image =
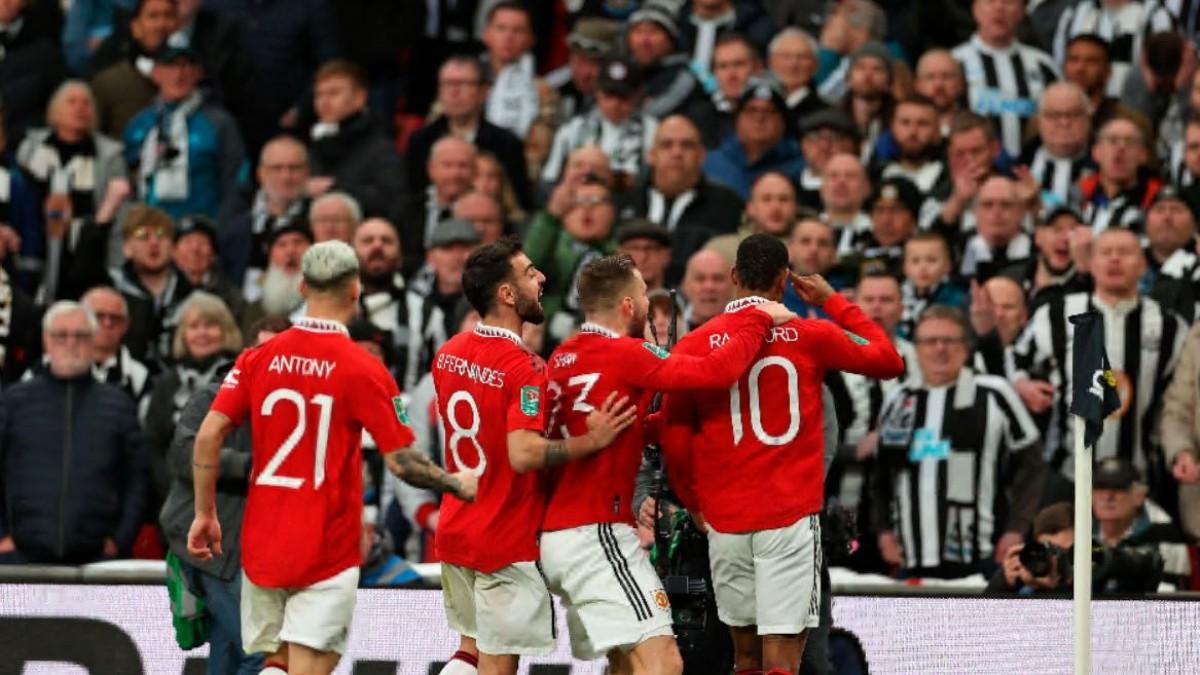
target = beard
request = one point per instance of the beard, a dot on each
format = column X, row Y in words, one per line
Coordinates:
column 529, row 309
column 280, row 292
column 637, row 326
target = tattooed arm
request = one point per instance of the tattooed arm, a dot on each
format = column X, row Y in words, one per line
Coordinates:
column 528, row 450
column 416, row 469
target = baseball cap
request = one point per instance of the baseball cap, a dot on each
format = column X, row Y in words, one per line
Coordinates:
column 657, row 14
column 171, row 54
column 1060, row 209
column 640, row 228
column 594, row 36
column 899, row 190
column 829, row 118
column 620, row 77
column 199, row 224
column 454, row 231
column 1115, row 473
column 327, row 262
column 296, row 225
column 873, row 50
column 764, row 87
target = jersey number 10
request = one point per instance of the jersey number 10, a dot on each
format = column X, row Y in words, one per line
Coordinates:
column 756, row 423
column 269, row 475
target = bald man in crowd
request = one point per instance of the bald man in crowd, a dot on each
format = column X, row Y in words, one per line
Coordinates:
column 451, row 170
column 707, row 287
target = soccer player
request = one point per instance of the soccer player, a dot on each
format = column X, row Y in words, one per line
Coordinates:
column 590, row 550
column 309, row 392
column 749, row 459
column 491, row 397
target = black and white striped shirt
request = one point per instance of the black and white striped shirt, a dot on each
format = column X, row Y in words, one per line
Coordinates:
column 951, row 460
column 1125, row 28
column 1181, row 176
column 1005, row 84
column 1124, row 210
column 979, row 258
column 1058, row 175
column 1142, row 341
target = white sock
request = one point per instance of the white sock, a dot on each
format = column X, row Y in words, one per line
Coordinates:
column 458, row 667
column 272, row 670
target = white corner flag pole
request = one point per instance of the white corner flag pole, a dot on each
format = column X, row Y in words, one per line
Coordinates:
column 1082, row 603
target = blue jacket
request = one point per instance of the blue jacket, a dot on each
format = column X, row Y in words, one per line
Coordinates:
column 216, row 160
column 72, row 468
column 728, row 164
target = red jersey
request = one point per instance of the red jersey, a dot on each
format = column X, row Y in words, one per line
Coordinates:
column 585, row 369
column 309, row 391
column 488, row 384
column 750, row 457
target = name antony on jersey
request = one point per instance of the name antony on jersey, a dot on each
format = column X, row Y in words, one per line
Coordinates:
column 470, row 370
column 301, row 365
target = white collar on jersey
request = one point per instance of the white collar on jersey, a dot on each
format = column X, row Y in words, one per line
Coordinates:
column 484, row 330
column 742, row 303
column 319, row 325
column 597, row 329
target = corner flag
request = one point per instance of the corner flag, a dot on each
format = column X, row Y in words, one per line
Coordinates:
column 1095, row 394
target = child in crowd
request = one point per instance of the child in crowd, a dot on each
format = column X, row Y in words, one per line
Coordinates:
column 927, row 279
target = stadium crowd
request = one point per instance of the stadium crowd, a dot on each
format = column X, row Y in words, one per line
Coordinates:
column 972, row 173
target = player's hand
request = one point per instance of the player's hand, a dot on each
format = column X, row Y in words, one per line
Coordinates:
column 1037, row 394
column 778, row 313
column 1009, row 541
column 610, row 419
column 890, row 549
column 645, row 516
column 812, row 288
column 204, row 537
column 468, row 485
column 1185, row 468
column 700, row 523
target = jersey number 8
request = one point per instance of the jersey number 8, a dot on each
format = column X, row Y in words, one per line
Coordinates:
column 756, row 423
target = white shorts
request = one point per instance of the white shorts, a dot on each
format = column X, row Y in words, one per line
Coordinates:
column 506, row 612
column 316, row 616
column 614, row 599
column 770, row 578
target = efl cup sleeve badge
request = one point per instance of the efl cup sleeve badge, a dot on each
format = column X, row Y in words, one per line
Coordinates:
column 531, row 399
column 401, row 410
column 856, row 338
column 656, row 350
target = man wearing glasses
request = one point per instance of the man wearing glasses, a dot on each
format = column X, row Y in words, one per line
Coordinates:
column 74, row 482
column 956, row 451
column 1064, row 123
column 1119, row 192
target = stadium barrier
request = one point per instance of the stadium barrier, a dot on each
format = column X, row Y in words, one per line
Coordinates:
column 117, row 621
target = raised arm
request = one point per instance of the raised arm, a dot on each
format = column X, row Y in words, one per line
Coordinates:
column 856, row 344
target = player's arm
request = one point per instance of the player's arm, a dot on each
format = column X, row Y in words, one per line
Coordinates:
column 871, row 354
column 716, row 369
column 529, row 450
column 415, row 468
column 204, row 537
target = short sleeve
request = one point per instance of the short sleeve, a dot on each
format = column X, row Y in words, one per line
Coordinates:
column 233, row 397
column 526, row 392
column 378, row 406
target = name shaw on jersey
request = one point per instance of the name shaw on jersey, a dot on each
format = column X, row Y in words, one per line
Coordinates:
column 301, row 365
column 470, row 370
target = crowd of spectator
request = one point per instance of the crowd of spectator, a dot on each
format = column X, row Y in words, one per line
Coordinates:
column 972, row 172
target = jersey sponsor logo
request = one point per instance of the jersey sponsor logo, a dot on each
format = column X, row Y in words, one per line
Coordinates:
column 856, row 338
column 231, row 380
column 401, row 411
column 656, row 350
column 472, row 371
column 927, row 445
column 660, row 599
column 531, row 399
column 989, row 101
column 301, row 365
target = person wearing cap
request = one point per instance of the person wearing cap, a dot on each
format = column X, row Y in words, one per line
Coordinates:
column 1172, row 265
column 771, row 209
column 430, row 305
column 1004, row 76
column 849, row 26
column 760, row 141
column 918, row 153
column 1122, row 22
column 349, row 152
column 1058, row 155
column 185, row 151
column 735, row 60
column 792, row 57
column 649, row 245
column 518, row 100
column 1143, row 340
column 151, row 283
column 868, row 96
column 1089, row 65
column 1126, row 515
column 999, row 240
column 195, row 255
column 123, row 64
column 462, row 94
column 705, row 20
column 893, row 209
column 678, row 196
column 652, row 40
column 276, row 291
column 617, row 124
column 591, row 41
column 1058, row 267
column 823, row 134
